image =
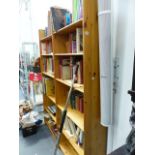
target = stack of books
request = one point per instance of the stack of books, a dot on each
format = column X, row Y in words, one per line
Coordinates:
column 74, row 131
column 75, row 42
column 67, row 69
column 76, row 101
column 48, row 65
column 52, row 109
column 49, row 87
column 46, row 48
column 77, row 10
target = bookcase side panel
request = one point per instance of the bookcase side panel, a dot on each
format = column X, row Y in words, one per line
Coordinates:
column 95, row 134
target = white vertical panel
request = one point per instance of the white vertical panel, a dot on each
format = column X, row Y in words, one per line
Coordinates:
column 104, row 16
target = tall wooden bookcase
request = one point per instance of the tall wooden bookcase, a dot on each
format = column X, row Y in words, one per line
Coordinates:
column 95, row 135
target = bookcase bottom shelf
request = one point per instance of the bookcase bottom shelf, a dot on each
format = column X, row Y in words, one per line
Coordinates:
column 66, row 148
column 72, row 141
column 52, row 133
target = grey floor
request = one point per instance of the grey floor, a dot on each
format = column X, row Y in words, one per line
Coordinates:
column 40, row 143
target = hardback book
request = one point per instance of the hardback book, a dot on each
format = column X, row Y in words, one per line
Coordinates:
column 65, row 72
column 49, row 47
column 80, row 72
column 64, row 68
column 49, row 31
column 73, row 42
column 49, row 86
column 52, row 108
column 58, row 17
column 43, row 48
column 44, row 64
column 49, row 66
column 77, row 10
column 79, row 40
column 72, row 126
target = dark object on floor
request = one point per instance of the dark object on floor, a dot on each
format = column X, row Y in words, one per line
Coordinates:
column 120, row 151
column 29, row 130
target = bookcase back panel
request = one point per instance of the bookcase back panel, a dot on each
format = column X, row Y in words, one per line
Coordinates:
column 59, row 43
column 61, row 92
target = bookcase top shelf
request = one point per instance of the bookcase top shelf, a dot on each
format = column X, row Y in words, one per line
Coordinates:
column 46, row 38
column 79, row 87
column 69, row 28
column 69, row 54
column 48, row 74
column 76, row 116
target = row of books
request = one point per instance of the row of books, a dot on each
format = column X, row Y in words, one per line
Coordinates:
column 77, row 10
column 73, row 130
column 57, row 19
column 76, row 101
column 48, row 65
column 46, row 47
column 67, row 69
column 48, row 86
column 52, row 109
column 75, row 42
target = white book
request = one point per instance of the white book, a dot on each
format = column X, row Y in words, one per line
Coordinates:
column 79, row 40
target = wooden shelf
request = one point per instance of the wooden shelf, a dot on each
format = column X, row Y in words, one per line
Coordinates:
column 76, row 116
column 48, row 74
column 51, row 115
column 66, row 148
column 69, row 28
column 47, row 55
column 46, row 38
column 52, row 98
column 68, row 54
column 72, row 141
column 51, row 131
column 79, row 87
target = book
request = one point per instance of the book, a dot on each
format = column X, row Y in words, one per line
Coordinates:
column 73, row 42
column 49, row 87
column 52, row 109
column 64, row 68
column 59, row 17
column 79, row 40
column 49, row 28
column 43, row 48
column 48, row 65
column 77, row 10
column 76, row 101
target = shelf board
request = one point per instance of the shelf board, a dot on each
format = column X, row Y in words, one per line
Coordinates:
column 51, row 115
column 70, row 28
column 48, row 74
column 47, row 55
column 52, row 98
column 69, row 54
column 52, row 133
column 66, row 148
column 46, row 38
column 79, row 87
column 76, row 116
column 72, row 141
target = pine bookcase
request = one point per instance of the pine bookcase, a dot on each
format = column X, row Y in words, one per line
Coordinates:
column 95, row 135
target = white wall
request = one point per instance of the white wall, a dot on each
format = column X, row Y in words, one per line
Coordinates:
column 35, row 18
column 123, row 44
